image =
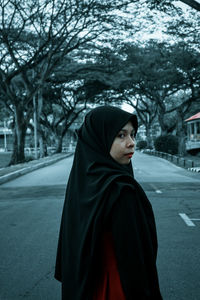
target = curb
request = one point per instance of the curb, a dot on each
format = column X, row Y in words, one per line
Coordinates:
column 197, row 169
column 176, row 160
column 23, row 171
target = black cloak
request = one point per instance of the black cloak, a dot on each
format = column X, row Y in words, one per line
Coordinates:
column 100, row 193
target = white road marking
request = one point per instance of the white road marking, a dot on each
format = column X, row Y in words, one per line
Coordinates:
column 155, row 189
column 158, row 192
column 186, row 219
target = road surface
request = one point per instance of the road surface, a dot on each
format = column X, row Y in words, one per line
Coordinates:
column 30, row 211
column 174, row 191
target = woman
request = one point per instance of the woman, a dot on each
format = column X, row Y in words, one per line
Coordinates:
column 107, row 244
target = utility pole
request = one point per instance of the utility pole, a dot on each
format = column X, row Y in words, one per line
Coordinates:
column 35, row 123
column 5, row 138
column 35, row 126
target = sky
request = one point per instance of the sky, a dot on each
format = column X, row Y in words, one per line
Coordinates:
column 127, row 108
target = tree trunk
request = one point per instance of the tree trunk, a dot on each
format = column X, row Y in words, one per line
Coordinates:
column 59, row 145
column 18, row 155
column 192, row 3
column 162, row 125
column 42, row 144
column 181, row 146
column 148, row 135
column 180, row 132
column 43, row 147
column 14, row 152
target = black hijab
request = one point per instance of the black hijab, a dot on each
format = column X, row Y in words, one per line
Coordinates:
column 95, row 183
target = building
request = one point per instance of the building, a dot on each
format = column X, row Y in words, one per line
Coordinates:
column 193, row 133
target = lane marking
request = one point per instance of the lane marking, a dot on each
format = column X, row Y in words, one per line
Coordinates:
column 155, row 189
column 186, row 219
column 158, row 192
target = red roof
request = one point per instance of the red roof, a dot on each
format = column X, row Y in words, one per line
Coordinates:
column 197, row 116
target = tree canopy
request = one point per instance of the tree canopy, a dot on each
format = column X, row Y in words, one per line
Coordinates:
column 168, row 3
column 57, row 56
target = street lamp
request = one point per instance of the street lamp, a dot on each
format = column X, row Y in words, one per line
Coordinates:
column 5, row 138
column 35, row 121
column 35, row 126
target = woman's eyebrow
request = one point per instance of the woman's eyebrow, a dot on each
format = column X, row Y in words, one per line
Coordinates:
column 126, row 130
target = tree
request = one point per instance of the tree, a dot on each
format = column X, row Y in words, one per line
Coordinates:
column 146, row 111
column 169, row 78
column 160, row 4
column 160, row 81
column 36, row 36
column 192, row 3
column 59, row 113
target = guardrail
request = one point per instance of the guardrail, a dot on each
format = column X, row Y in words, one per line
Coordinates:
column 50, row 150
column 178, row 160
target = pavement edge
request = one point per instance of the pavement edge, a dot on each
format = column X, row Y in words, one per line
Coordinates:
column 28, row 169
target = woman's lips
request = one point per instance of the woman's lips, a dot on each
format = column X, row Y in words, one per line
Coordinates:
column 129, row 154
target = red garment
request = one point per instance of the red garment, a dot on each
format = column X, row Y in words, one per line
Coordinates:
column 109, row 285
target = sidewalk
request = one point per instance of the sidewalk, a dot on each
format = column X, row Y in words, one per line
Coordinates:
column 189, row 162
column 12, row 172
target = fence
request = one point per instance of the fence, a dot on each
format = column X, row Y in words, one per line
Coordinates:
column 50, row 150
column 180, row 161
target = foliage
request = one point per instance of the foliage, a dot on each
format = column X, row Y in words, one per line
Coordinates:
column 40, row 39
column 65, row 54
column 141, row 145
column 166, row 4
column 167, row 144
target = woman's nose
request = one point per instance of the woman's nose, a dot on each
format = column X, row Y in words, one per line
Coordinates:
column 131, row 142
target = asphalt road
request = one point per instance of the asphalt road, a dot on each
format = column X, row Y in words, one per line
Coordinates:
column 30, row 211
column 173, row 190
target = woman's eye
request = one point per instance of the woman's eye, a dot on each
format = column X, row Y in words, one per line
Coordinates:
column 121, row 135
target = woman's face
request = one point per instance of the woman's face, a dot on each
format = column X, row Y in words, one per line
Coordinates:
column 122, row 148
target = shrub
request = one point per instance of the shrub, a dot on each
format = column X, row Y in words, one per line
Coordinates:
column 29, row 158
column 141, row 145
column 167, row 143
